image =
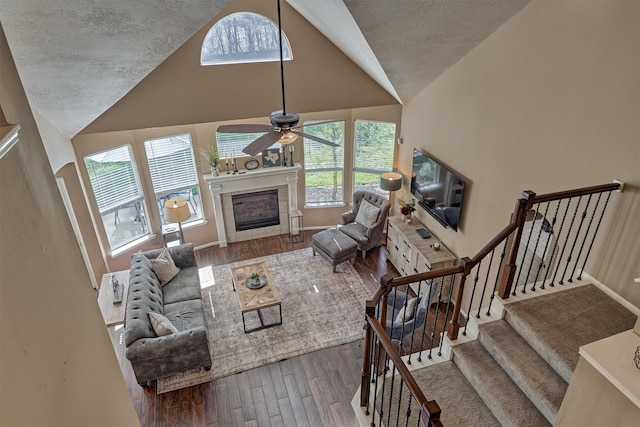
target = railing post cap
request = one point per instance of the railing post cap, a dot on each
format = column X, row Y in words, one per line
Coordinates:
column 528, row 194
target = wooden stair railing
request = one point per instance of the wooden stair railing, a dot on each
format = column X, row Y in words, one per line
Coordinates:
column 490, row 277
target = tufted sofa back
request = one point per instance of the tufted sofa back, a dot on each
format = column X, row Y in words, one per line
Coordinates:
column 145, row 294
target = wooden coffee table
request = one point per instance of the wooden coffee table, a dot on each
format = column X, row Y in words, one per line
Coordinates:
column 255, row 299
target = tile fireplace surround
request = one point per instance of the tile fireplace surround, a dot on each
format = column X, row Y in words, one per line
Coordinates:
column 284, row 178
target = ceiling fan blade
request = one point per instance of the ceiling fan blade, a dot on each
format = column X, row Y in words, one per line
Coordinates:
column 244, row 128
column 262, row 143
column 317, row 139
column 316, row 123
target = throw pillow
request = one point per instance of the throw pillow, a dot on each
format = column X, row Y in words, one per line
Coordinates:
column 367, row 214
column 164, row 267
column 406, row 313
column 161, row 325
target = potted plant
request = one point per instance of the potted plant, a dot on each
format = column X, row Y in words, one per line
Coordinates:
column 406, row 207
column 253, row 280
column 212, row 158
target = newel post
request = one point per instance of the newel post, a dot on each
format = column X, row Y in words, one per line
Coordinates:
column 509, row 269
column 454, row 325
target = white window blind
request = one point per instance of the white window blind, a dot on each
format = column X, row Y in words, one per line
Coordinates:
column 113, row 178
column 120, row 200
column 234, row 143
column 173, row 172
column 323, row 164
column 171, row 163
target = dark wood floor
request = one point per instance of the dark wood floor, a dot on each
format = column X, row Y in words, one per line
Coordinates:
column 314, row 389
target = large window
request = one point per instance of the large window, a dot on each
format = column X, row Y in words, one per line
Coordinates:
column 173, row 172
column 323, row 164
column 117, row 192
column 374, row 144
column 243, row 37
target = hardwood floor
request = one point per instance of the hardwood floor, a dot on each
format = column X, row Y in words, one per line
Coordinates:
column 314, row 389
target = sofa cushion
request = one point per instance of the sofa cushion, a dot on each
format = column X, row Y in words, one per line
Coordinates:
column 161, row 325
column 185, row 315
column 406, row 313
column 184, row 286
column 367, row 214
column 357, row 232
column 164, row 267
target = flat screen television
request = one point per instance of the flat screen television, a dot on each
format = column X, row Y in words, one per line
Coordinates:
column 437, row 189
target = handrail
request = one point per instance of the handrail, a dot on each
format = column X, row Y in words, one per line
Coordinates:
column 428, row 408
column 577, row 192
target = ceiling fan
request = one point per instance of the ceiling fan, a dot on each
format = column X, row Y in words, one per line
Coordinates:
column 284, row 126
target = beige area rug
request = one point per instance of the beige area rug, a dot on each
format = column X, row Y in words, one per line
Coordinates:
column 320, row 309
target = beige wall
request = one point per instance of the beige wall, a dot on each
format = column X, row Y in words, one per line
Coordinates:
column 548, row 102
column 180, row 91
column 203, row 135
column 57, row 365
column 69, row 174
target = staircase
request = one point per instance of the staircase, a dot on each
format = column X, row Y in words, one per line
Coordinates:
column 518, row 369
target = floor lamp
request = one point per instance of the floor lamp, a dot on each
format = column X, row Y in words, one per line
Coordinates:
column 177, row 210
column 390, row 181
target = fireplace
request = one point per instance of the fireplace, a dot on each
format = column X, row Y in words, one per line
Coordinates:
column 256, row 210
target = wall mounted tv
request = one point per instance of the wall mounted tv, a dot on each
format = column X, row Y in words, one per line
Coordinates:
column 437, row 189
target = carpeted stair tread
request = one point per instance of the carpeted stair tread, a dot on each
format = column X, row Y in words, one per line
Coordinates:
column 507, row 402
column 539, row 382
column 459, row 403
column 557, row 324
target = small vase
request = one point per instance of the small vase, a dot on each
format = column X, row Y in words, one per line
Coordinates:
column 215, row 171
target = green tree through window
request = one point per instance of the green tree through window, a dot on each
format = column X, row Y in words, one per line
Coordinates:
column 374, row 144
column 324, row 164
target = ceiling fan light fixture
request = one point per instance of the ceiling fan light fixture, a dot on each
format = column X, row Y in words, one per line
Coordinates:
column 288, row 137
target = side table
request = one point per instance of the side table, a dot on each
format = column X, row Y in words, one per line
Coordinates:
column 113, row 313
column 296, row 226
column 170, row 234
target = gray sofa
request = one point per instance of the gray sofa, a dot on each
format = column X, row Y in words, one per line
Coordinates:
column 180, row 301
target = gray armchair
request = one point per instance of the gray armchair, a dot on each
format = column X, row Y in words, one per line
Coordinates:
column 399, row 330
column 366, row 234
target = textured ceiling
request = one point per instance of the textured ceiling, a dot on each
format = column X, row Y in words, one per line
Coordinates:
column 76, row 58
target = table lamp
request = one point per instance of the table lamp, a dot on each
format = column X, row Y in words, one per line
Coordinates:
column 176, row 210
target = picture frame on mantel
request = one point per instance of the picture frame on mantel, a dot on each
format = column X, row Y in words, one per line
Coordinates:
column 271, row 158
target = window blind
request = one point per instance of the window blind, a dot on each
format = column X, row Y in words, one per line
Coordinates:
column 171, row 163
column 113, row 178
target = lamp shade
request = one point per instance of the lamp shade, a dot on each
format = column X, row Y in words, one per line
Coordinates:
column 176, row 210
column 390, row 181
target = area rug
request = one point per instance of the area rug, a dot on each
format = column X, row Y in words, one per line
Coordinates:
column 320, row 309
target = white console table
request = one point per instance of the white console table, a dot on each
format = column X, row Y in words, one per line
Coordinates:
column 411, row 254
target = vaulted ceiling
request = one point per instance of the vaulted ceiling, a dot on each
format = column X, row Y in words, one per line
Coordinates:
column 77, row 58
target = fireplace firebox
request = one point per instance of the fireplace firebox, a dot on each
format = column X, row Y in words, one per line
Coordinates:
column 255, row 210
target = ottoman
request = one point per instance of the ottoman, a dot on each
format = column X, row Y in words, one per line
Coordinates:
column 334, row 246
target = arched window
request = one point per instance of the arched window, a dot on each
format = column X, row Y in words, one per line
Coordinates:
column 243, row 37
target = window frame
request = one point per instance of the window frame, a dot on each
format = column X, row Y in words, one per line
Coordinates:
column 339, row 200
column 136, row 200
column 165, row 191
column 371, row 170
column 222, row 30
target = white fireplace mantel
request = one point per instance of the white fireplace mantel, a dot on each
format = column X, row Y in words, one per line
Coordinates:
column 249, row 180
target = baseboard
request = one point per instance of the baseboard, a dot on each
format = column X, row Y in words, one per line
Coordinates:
column 612, row 294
